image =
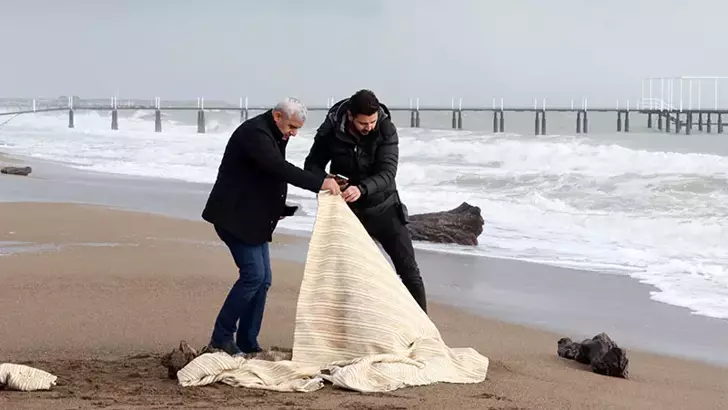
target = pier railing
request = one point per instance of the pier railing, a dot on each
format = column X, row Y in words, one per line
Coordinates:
column 667, row 115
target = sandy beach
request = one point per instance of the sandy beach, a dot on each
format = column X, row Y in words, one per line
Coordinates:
column 97, row 296
column 104, row 274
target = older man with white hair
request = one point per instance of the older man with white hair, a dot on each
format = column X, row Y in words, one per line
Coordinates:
column 245, row 205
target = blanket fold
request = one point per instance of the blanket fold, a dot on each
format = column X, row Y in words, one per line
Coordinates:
column 357, row 326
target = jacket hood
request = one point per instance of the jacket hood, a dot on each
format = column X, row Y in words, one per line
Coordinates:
column 337, row 114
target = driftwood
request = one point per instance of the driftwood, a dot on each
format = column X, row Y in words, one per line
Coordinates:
column 600, row 352
column 461, row 225
column 182, row 355
column 24, row 171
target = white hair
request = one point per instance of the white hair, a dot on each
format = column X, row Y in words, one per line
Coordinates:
column 292, row 107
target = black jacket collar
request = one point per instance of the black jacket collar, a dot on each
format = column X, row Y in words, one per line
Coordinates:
column 277, row 134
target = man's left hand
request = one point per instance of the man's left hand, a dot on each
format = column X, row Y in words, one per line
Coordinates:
column 351, row 194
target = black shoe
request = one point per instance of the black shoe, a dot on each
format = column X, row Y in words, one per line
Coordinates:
column 228, row 347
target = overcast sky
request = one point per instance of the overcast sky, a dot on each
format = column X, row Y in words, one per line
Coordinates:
column 434, row 50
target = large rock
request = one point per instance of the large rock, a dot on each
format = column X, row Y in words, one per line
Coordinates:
column 24, row 171
column 461, row 225
column 600, row 352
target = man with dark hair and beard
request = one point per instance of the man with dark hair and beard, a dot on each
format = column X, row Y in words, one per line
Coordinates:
column 361, row 144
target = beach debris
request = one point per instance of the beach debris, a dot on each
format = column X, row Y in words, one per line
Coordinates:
column 461, row 225
column 178, row 358
column 184, row 353
column 600, row 352
column 24, row 171
column 25, row 378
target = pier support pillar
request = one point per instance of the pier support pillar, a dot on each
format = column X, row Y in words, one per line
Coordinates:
column 689, row 123
column 543, row 122
column 708, row 123
column 495, row 122
column 114, row 120
column 502, row 122
column 585, row 125
column 460, row 119
column 157, row 121
column 668, row 120
column 649, row 120
column 678, row 124
column 626, row 121
column 243, row 115
column 619, row 121
column 417, row 118
column 71, row 123
column 720, row 123
column 578, row 122
column 412, row 118
column 659, row 120
column 200, row 121
column 536, row 124
column 454, row 120
column 700, row 121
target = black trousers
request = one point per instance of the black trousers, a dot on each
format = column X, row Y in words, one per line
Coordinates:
column 390, row 230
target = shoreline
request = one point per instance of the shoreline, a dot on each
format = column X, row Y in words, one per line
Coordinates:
column 575, row 303
column 121, row 288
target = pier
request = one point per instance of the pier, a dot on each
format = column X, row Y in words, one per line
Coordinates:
column 665, row 111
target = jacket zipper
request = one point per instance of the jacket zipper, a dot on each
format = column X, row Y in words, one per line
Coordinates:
column 356, row 162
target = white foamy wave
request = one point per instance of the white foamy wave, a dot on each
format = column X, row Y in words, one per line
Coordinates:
column 659, row 216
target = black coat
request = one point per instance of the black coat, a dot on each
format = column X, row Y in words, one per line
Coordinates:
column 249, row 194
column 371, row 163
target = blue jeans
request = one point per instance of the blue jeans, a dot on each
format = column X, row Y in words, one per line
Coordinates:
column 246, row 300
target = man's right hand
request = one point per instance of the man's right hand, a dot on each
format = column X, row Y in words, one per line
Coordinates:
column 331, row 186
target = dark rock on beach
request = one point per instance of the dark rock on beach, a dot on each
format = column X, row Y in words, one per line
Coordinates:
column 601, row 353
column 461, row 225
column 24, row 171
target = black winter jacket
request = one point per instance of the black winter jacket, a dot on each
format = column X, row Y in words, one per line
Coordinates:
column 249, row 194
column 371, row 163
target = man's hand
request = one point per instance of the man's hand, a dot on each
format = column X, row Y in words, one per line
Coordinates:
column 351, row 194
column 343, row 183
column 331, row 186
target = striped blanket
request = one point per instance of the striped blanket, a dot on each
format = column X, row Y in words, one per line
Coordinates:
column 357, row 326
column 25, row 378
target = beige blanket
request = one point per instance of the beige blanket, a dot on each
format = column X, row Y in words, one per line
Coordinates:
column 25, row 378
column 357, row 326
